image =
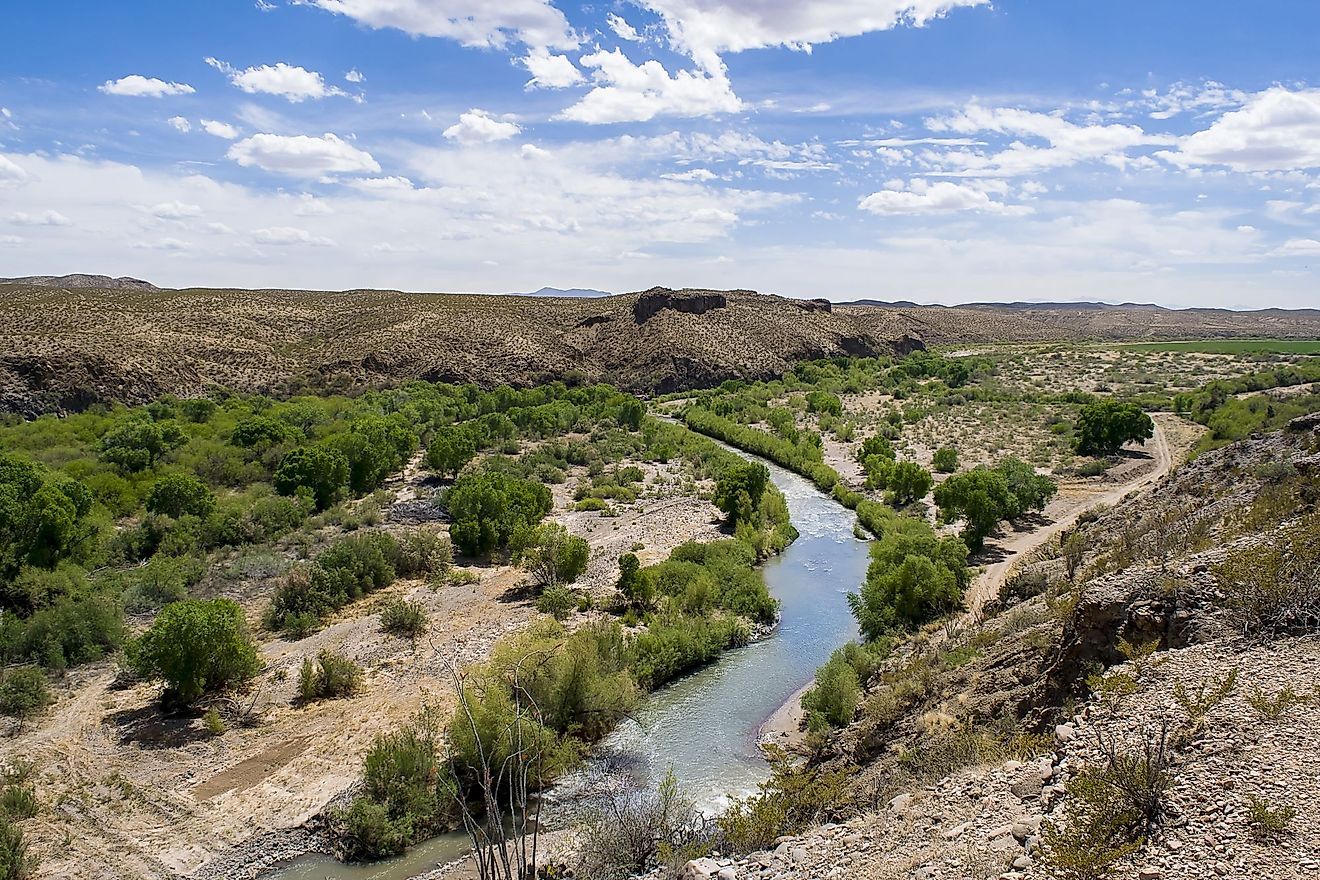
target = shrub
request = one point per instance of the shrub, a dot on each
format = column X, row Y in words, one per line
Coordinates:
column 792, row 799
column 1273, row 708
column 551, row 554
column 1274, row 586
column 832, row 701
column 945, row 460
column 71, row 632
column 23, row 693
column 196, row 647
column 632, row 831
column 489, row 508
column 1268, row 824
column 137, row 443
column 328, row 677
column 914, row 577
column 214, row 724
column 557, row 601
column 1197, row 704
column 635, row 585
column 739, row 490
column 14, row 864
column 451, row 448
column 424, row 550
column 402, row 618
column 177, row 494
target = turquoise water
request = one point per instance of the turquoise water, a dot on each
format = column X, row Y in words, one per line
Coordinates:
column 704, row 726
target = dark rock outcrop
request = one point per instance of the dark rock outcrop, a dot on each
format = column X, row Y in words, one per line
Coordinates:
column 691, row 302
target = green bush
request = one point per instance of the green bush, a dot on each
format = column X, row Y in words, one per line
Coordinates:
column 451, row 448
column 908, row 481
column 177, row 494
column 945, row 460
column 489, row 508
column 402, row 618
column 739, row 490
column 23, row 693
column 1103, row 427
column 792, row 799
column 73, row 631
column 346, row 571
column 320, row 470
column 137, row 443
column 330, row 676
column 832, row 700
column 557, row 601
column 196, row 647
column 14, row 862
column 914, row 577
column 551, row 554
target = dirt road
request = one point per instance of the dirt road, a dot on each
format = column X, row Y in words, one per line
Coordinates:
column 1073, row 500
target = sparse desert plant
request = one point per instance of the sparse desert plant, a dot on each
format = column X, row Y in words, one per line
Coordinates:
column 1274, row 586
column 14, row 861
column 630, row 831
column 402, row 618
column 1273, row 708
column 790, row 800
column 213, row 722
column 1139, row 654
column 329, row 676
column 1197, row 704
column 1268, row 823
column 1112, row 689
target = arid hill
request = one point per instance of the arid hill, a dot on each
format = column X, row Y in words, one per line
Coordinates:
column 67, row 342
column 66, row 348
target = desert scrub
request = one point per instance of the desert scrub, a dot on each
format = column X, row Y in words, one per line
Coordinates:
column 213, row 723
column 24, row 693
column 1274, row 586
column 793, row 798
column 329, row 676
column 558, row 602
column 1273, row 708
column 1197, row 704
column 402, row 618
column 1268, row 824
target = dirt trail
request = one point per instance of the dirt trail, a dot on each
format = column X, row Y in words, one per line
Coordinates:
column 1064, row 512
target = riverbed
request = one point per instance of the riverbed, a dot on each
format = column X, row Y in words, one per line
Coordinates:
column 704, row 726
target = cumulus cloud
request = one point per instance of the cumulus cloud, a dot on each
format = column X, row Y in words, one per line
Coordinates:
column 941, row 197
column 1299, row 247
column 1277, row 130
column 479, row 127
column 704, row 28
column 284, row 236
column 294, row 84
column 1068, row 142
column 44, row 218
column 627, row 92
column 179, row 124
column 470, row 22
column 302, row 155
column 175, row 210
column 10, row 172
column 354, row 76
column 219, row 129
column 550, row 71
column 136, row 86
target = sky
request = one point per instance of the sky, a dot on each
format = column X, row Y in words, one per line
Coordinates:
column 930, row 150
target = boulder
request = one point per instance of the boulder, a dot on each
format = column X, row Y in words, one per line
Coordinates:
column 701, row 869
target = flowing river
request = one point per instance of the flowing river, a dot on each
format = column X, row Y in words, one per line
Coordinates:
column 704, row 726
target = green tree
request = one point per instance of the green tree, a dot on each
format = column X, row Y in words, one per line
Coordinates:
column 374, row 447
column 878, row 446
column 945, row 460
column 451, row 448
column 1103, row 427
column 551, row 554
column 1031, row 491
column 631, row 412
column 908, row 481
column 489, row 508
column 179, row 494
column 261, row 431
column 739, row 489
column 137, row 443
column 196, row 647
column 980, row 497
column 318, row 469
column 41, row 516
column 904, row 596
column 824, row 402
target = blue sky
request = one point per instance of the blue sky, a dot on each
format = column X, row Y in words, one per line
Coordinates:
column 935, row 150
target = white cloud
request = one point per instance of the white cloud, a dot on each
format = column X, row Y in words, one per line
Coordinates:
column 178, row 123
column 1277, row 130
column 11, row 240
column 10, row 172
column 1299, row 247
column 550, row 71
column 941, row 197
column 479, row 127
column 622, row 29
column 470, row 22
column 627, row 92
column 45, row 218
column 294, row 84
column 302, row 155
column 162, row 244
column 704, row 28
column 698, row 174
column 1069, row 142
column 175, row 210
column 354, row 76
column 219, row 129
column 136, row 86
column 1184, row 98
column 289, row 235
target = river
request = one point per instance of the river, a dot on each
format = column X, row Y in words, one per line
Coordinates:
column 704, row 725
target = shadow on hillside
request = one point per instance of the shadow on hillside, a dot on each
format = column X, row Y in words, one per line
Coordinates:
column 148, row 728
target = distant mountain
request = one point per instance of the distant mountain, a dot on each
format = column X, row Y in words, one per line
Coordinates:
column 80, row 281
column 574, row 292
